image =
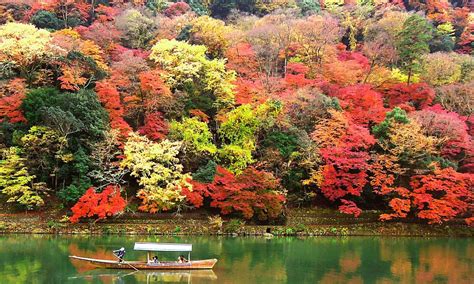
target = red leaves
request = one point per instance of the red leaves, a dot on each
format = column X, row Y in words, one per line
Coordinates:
column 11, row 97
column 151, row 82
column 401, row 208
column 466, row 39
column 248, row 91
column 436, row 197
column 98, row 204
column 442, row 195
column 418, row 95
column 349, row 207
column 110, row 98
column 177, row 9
column 155, row 127
column 346, row 158
column 241, row 58
column 364, row 105
column 252, row 193
column 344, row 172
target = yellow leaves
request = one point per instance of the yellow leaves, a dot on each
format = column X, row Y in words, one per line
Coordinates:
column 270, row 6
column 316, row 177
column 408, row 142
column 158, row 170
column 66, row 158
column 398, row 76
column 23, row 44
column 15, row 181
column 187, row 66
column 92, row 50
column 328, row 131
column 68, row 33
column 72, row 78
column 182, row 61
column 211, row 32
column 441, row 68
column 195, row 134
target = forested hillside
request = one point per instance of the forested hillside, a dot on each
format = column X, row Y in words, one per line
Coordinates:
column 243, row 107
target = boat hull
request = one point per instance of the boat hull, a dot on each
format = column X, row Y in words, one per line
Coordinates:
column 140, row 265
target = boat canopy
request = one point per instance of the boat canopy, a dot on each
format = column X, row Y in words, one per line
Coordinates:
column 163, row 247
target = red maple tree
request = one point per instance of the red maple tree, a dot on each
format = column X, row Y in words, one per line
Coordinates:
column 251, row 193
column 11, row 98
column 418, row 95
column 110, row 98
column 98, row 204
column 364, row 105
column 155, row 127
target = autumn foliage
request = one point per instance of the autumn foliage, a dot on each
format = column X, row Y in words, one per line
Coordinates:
column 98, row 205
column 239, row 107
column 251, row 193
column 344, row 148
column 436, row 197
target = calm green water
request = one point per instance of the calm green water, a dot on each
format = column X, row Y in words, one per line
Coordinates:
column 44, row 259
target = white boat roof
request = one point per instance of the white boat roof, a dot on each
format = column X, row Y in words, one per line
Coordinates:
column 163, row 247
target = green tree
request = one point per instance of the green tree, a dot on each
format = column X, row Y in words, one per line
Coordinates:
column 206, row 173
column 413, row 42
column 45, row 20
column 309, row 6
column 80, row 182
column 16, row 182
column 73, row 115
column 239, row 133
column 194, row 134
column 397, row 115
column 137, row 28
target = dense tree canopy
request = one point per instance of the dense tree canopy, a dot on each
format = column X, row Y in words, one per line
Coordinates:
column 241, row 107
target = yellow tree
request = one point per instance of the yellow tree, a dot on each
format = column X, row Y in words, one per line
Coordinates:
column 187, row 68
column 16, row 182
column 316, row 37
column 158, row 171
column 407, row 142
column 25, row 47
column 212, row 33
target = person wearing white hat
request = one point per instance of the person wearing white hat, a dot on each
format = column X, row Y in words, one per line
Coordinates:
column 120, row 253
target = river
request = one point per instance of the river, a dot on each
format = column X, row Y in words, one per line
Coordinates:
column 44, row 259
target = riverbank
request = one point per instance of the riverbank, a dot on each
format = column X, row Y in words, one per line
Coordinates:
column 300, row 222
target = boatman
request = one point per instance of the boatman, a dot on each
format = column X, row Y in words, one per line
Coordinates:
column 120, row 253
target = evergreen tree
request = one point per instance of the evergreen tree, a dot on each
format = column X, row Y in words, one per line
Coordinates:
column 413, row 42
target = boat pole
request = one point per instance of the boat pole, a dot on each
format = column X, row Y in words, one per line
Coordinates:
column 126, row 262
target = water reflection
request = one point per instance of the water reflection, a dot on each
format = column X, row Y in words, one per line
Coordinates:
column 114, row 276
column 246, row 260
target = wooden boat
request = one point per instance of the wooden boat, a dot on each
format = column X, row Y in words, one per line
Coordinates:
column 150, row 264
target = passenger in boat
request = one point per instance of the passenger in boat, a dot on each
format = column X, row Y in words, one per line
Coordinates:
column 181, row 259
column 155, row 259
column 120, row 253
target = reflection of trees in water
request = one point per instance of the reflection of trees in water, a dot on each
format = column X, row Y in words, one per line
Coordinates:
column 118, row 276
column 253, row 260
column 32, row 257
column 428, row 261
column 385, row 260
column 18, row 272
